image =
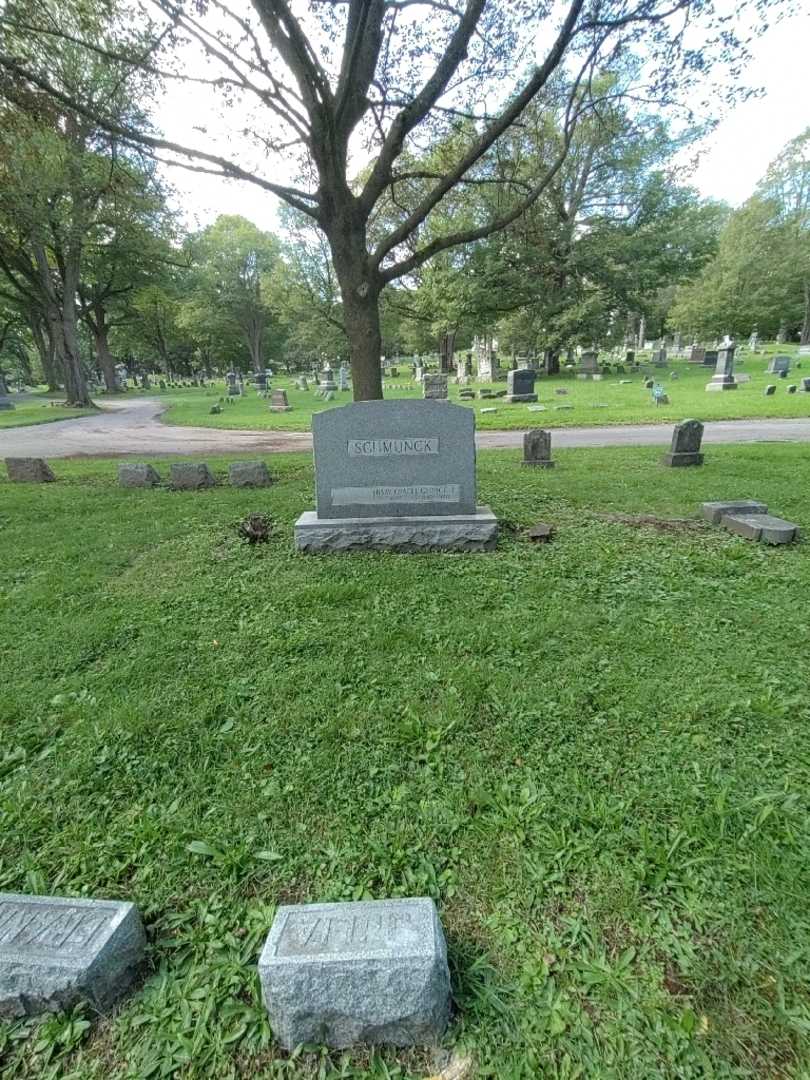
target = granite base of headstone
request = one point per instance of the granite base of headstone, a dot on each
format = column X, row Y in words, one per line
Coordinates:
column 395, row 475
column 56, row 952
column 137, row 475
column 248, row 474
column 29, row 471
column 366, row 973
column 685, row 448
column 537, row 449
column 187, row 476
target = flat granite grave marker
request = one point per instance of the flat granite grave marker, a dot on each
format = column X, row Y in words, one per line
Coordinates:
column 137, row 475
column 369, row 972
column 29, row 470
column 770, row 390
column 56, row 951
column 685, row 448
column 395, row 475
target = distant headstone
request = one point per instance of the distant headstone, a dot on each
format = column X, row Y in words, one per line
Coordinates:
column 434, row 387
column 659, row 358
column 137, row 475
column 56, row 952
column 231, row 384
column 685, row 448
column 804, row 350
column 778, row 364
column 343, row 378
column 537, row 449
column 714, row 511
column 770, row 390
column 742, row 377
column 520, row 386
column 372, row 972
column 327, row 381
column 190, row 476
column 630, row 356
column 696, row 354
column 588, row 364
column 248, row 474
column 301, row 382
column 395, row 475
column 792, row 388
column 5, row 401
column 723, row 378
column 805, row 387
column 278, row 402
column 782, row 374
column 260, row 382
column 466, row 395
column 29, row 470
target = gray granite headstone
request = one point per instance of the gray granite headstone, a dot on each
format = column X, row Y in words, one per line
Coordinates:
column 137, row 475
column 805, row 387
column 520, row 386
column 56, row 951
column 29, row 470
column 685, row 448
column 279, row 402
column 537, row 449
column 395, row 475
column 434, row 387
column 371, row 972
column 777, row 365
column 723, row 378
column 190, row 476
column 770, row 390
column 394, row 458
column 250, row 474
column 696, row 354
column 792, row 388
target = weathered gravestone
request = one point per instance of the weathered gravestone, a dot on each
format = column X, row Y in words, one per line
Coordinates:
column 715, row 511
column 55, row 952
column 29, row 470
column 520, row 386
column 765, row 528
column 685, row 448
column 249, row 474
column 301, row 382
column 696, row 355
column 723, row 378
column 777, row 365
column 770, row 390
column 279, row 402
column 260, row 382
column 710, row 357
column 434, row 387
column 343, row 378
column 395, row 475
column 327, row 381
column 190, row 476
column 137, row 475
column 659, row 358
column 792, row 388
column 537, row 449
column 370, row 972
column 805, row 387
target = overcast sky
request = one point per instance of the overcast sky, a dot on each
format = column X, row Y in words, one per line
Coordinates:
column 734, row 157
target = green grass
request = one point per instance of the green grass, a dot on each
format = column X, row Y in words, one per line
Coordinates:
column 626, row 404
column 39, row 413
column 594, row 754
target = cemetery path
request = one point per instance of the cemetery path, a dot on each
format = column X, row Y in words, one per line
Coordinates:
column 134, row 427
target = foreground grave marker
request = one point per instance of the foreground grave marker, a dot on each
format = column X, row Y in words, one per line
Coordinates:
column 370, row 972
column 55, row 952
column 395, row 475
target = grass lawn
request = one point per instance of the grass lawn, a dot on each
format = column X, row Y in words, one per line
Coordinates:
column 594, row 403
column 594, row 754
column 39, row 412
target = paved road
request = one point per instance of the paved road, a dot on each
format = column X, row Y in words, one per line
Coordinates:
column 133, row 427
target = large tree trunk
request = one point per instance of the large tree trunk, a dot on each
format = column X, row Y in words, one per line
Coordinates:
column 101, row 332
column 43, row 340
column 360, row 291
column 76, row 392
column 805, row 338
